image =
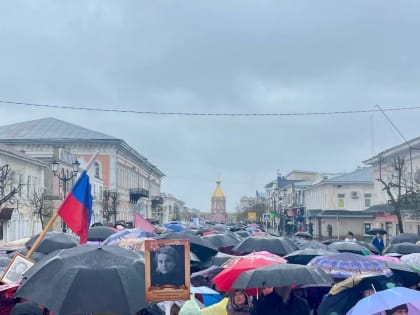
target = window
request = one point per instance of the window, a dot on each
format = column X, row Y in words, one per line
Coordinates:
column 368, row 200
column 340, row 200
column 97, row 170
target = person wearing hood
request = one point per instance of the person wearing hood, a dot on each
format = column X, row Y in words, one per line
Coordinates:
column 268, row 303
column 238, row 303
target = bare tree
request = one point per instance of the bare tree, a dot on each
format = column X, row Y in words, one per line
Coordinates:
column 401, row 191
column 7, row 187
column 41, row 211
column 110, row 202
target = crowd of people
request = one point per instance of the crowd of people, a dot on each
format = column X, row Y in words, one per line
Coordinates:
column 167, row 270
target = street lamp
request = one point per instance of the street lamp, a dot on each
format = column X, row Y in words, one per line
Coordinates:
column 64, row 179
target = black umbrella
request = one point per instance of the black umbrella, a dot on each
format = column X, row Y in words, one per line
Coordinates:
column 35, row 255
column 100, row 233
column 330, row 241
column 405, row 237
column 53, row 241
column 280, row 275
column 222, row 241
column 313, row 244
column 369, row 246
column 201, row 247
column 303, row 256
column 402, row 248
column 349, row 247
column 87, row 279
column 305, row 235
column 275, row 245
column 406, row 274
column 376, row 231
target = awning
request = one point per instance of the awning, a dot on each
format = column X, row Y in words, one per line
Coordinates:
column 6, row 214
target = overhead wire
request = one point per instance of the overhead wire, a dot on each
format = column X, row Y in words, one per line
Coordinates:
column 167, row 113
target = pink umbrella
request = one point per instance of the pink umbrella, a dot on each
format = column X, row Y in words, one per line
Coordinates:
column 385, row 258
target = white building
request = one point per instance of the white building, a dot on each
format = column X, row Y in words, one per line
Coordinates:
column 18, row 217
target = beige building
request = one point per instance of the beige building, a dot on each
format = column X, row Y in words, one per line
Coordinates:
column 120, row 171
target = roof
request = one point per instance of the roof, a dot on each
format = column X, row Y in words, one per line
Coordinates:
column 344, row 213
column 218, row 192
column 405, row 146
column 361, row 175
column 49, row 129
column 10, row 151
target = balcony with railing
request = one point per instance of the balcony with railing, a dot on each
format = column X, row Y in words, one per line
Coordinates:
column 137, row 193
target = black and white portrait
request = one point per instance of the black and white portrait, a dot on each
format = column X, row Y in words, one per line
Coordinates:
column 167, row 266
column 17, row 267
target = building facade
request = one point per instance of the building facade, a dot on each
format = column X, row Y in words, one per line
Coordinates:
column 120, row 173
column 18, row 215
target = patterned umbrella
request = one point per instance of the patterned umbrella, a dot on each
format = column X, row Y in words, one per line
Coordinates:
column 344, row 265
column 127, row 234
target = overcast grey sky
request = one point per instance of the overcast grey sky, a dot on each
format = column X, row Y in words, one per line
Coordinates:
column 219, row 57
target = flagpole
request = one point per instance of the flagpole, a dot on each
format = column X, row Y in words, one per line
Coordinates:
column 55, row 215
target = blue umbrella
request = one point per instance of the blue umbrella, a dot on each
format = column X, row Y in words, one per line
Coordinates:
column 127, row 233
column 175, row 226
column 385, row 300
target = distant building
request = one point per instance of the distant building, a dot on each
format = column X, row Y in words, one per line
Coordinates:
column 218, row 203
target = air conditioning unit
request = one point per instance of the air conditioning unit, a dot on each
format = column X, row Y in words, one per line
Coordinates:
column 355, row 194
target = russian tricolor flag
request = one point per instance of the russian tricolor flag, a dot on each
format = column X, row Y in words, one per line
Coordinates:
column 76, row 209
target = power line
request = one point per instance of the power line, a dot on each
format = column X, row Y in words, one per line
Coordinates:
column 158, row 113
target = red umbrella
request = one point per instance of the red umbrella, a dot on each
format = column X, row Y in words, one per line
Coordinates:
column 227, row 277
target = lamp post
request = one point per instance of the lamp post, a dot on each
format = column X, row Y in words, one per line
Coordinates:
column 64, row 179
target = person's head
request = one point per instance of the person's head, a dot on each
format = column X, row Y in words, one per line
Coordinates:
column 19, row 267
column 166, row 258
column 267, row 290
column 368, row 292
column 239, row 297
column 398, row 310
column 350, row 234
column 378, row 235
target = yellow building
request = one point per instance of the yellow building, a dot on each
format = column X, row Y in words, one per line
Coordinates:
column 218, row 201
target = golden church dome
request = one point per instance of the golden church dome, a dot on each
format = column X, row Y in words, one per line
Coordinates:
column 218, row 192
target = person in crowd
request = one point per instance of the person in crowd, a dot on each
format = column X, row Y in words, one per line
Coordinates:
column 350, row 237
column 238, row 303
column 378, row 242
column 168, row 268
column 268, row 303
column 292, row 304
column 398, row 310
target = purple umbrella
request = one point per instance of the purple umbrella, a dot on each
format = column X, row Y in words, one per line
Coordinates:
column 344, row 265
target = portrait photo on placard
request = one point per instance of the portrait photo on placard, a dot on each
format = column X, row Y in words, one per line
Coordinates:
column 16, row 268
column 167, row 268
